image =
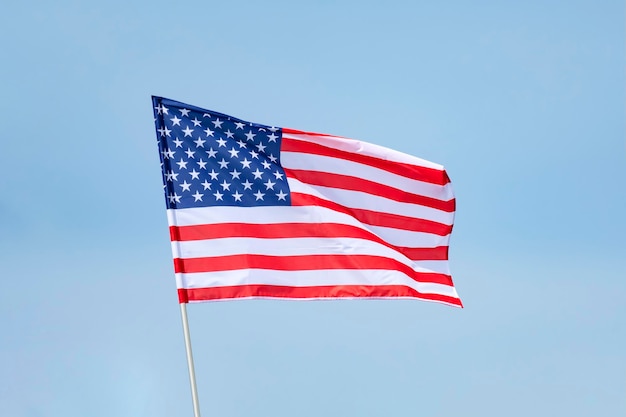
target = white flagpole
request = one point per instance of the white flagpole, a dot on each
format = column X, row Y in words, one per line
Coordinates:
column 192, row 372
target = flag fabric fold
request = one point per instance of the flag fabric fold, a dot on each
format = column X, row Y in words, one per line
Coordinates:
column 257, row 211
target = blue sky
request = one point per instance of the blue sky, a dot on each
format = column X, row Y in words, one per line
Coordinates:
column 523, row 102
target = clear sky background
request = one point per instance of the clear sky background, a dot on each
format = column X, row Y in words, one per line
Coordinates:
column 523, row 102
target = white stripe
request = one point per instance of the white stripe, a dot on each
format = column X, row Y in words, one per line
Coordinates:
column 310, row 162
column 308, row 279
column 257, row 215
column 409, row 239
column 366, row 201
column 305, row 214
column 363, row 148
column 298, row 246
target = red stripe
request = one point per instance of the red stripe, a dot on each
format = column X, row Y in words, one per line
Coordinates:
column 375, row 218
column 439, row 253
column 303, row 263
column 297, row 230
column 347, row 182
column 335, row 291
column 419, row 173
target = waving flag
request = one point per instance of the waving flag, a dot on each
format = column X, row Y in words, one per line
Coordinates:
column 257, row 211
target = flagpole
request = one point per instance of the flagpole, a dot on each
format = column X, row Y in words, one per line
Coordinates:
column 192, row 372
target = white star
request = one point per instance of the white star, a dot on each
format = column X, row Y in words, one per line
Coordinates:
column 221, row 142
column 241, row 144
column 257, row 174
column 229, row 134
column 190, row 153
column 218, row 195
column 197, row 196
column 171, row 176
column 245, row 163
column 239, row 125
column 185, row 185
column 278, row 175
column 206, row 185
column 233, row 153
column 184, row 112
column 174, row 198
column 175, row 121
column 211, row 153
column 158, row 109
column 272, row 158
column 199, row 142
column 208, row 132
column 181, row 164
column 273, row 129
column 195, row 122
column 281, row 196
column 217, row 123
column 272, row 137
column 225, row 185
column 164, row 109
column 223, row 163
column 237, row 196
column 195, row 175
column 247, row 185
column 164, row 131
column 202, row 164
column 167, row 154
column 259, row 195
column 213, row 174
column 250, row 135
column 178, row 143
column 187, row 131
column 269, row 184
column 254, row 154
column 260, row 147
column 206, row 115
column 266, row 165
column 235, row 173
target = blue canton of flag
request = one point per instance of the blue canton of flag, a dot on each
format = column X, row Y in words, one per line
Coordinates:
column 211, row 159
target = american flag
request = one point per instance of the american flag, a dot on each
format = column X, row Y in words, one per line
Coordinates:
column 258, row 211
